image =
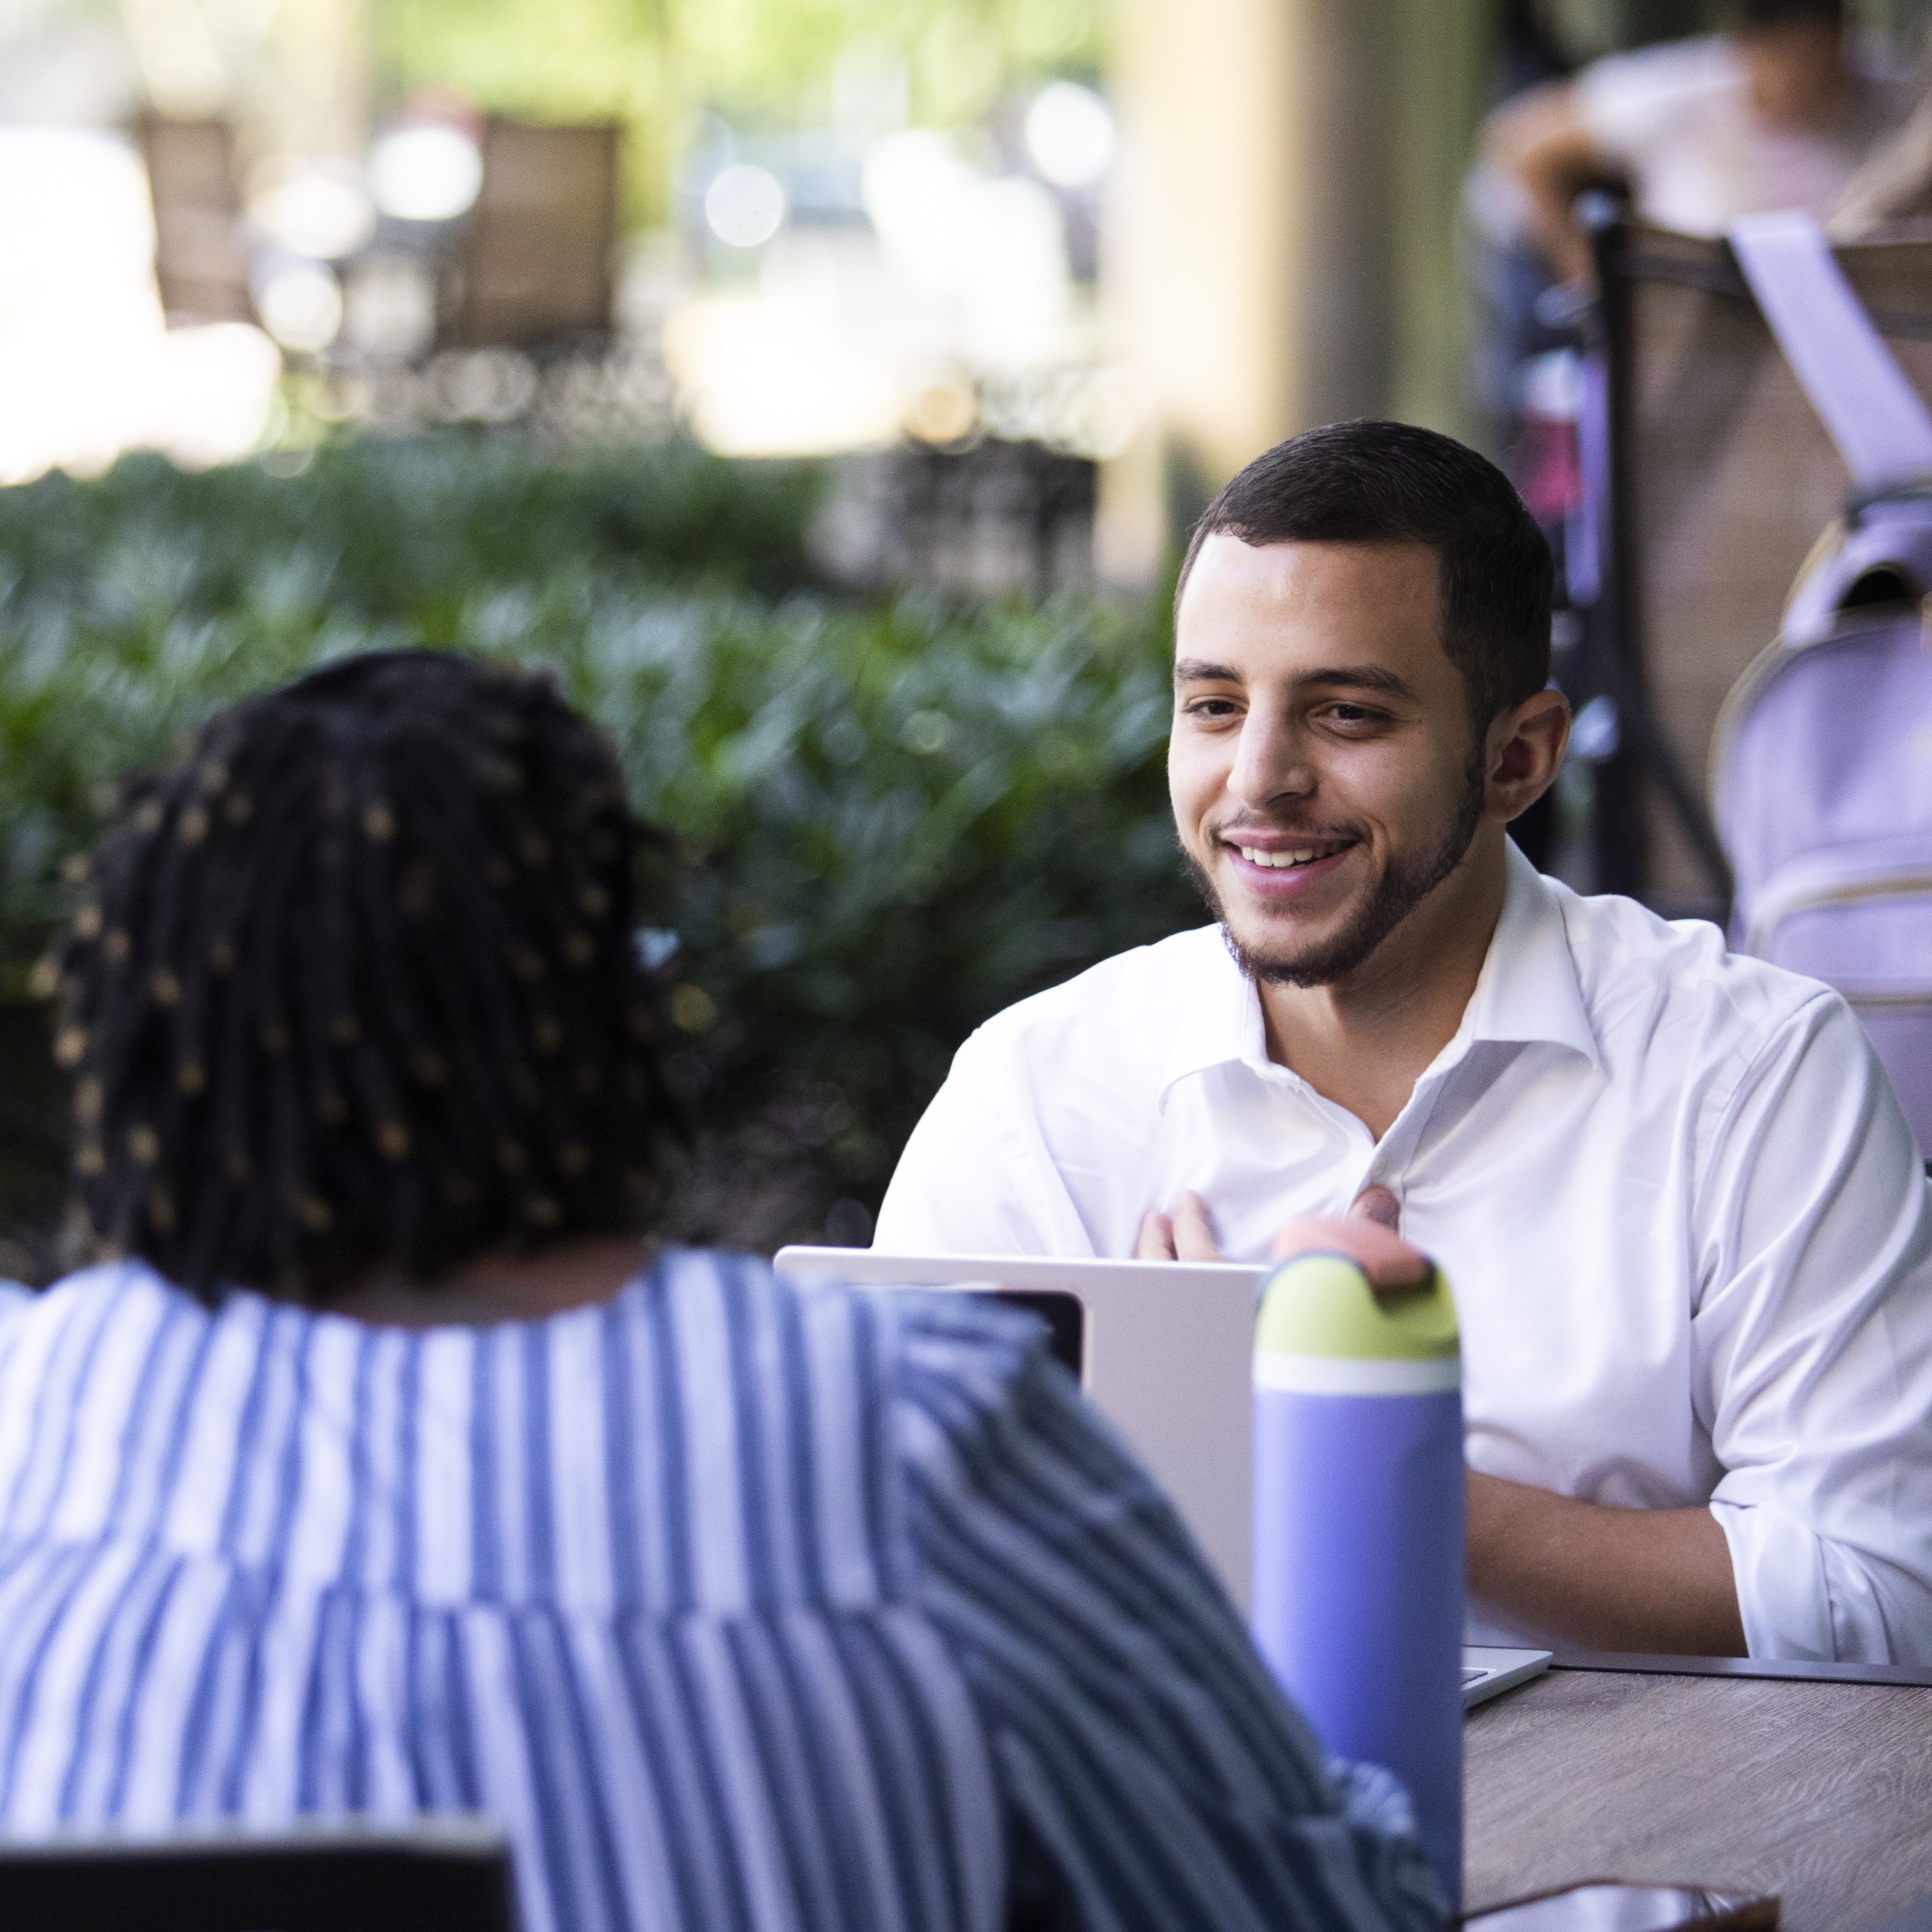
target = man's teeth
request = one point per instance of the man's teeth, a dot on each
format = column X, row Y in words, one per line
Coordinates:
column 1277, row 861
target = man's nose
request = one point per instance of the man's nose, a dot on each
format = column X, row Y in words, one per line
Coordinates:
column 1270, row 764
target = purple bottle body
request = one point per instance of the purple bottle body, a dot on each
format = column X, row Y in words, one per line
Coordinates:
column 1358, row 1597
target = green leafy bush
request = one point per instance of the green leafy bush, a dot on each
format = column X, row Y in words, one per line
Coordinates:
column 889, row 820
column 401, row 530
column 133, row 605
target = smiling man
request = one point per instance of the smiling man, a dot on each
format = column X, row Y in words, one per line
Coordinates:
column 1686, row 1224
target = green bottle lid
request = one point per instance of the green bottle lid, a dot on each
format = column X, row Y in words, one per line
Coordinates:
column 1321, row 1305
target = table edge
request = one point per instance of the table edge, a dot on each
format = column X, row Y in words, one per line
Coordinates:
column 1794, row 1670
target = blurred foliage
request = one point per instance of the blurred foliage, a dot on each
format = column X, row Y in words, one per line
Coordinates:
column 387, row 530
column 653, row 63
column 890, row 820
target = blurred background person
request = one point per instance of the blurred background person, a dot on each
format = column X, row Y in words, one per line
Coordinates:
column 386, row 1472
column 1524, row 373
column 1893, row 188
column 1508, row 276
column 1778, row 111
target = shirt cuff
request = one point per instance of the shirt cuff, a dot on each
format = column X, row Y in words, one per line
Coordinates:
column 1802, row 1596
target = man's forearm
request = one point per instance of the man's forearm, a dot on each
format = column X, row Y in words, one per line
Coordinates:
column 1539, row 138
column 1604, row 1578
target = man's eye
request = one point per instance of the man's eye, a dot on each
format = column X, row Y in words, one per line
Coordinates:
column 1212, row 708
column 1354, row 714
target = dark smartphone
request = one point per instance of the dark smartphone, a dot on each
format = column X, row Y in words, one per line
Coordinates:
column 1602, row 1906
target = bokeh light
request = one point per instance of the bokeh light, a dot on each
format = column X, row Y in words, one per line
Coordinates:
column 316, row 209
column 425, row 174
column 300, row 305
column 1070, row 134
column 745, row 204
column 87, row 369
column 916, row 185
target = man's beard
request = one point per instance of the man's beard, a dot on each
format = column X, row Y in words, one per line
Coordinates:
column 1399, row 890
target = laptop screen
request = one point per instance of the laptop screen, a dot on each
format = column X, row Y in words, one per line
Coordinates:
column 1065, row 1317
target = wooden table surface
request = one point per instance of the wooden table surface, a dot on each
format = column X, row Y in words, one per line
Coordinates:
column 1821, row 1793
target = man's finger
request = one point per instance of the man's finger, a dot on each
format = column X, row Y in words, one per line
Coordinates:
column 1378, row 1205
column 1382, row 1255
column 1156, row 1239
column 1193, row 1232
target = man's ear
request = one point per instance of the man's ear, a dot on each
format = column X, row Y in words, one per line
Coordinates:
column 1525, row 747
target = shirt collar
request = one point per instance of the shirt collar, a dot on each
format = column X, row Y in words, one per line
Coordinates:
column 1219, row 1020
column 1527, row 990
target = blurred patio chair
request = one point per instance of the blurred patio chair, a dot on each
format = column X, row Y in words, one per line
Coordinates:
column 1721, row 479
column 995, row 517
column 443, row 1875
column 201, row 262
column 534, row 269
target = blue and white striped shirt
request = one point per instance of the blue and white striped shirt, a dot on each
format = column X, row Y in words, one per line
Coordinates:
column 743, row 1607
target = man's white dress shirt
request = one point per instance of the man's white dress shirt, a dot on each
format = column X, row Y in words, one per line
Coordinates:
column 1686, row 1224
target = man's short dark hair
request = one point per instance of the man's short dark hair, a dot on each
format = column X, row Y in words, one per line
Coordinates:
column 1748, row 16
column 1385, row 482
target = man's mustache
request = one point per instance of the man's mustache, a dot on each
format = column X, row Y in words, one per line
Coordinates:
column 1285, row 828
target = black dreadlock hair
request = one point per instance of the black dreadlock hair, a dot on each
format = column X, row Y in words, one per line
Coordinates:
column 352, row 987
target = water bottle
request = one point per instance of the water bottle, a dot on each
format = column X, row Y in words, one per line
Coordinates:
column 1358, row 1559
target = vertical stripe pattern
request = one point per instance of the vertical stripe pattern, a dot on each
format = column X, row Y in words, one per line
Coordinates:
column 743, row 1607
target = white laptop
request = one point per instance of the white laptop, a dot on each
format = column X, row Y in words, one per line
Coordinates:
column 1165, row 1349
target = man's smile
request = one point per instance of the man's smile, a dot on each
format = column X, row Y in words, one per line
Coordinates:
column 1280, row 866
column 1279, row 858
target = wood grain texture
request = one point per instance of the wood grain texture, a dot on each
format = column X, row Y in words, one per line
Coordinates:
column 1821, row 1793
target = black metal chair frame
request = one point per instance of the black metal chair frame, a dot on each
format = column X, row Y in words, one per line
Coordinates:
column 1643, row 752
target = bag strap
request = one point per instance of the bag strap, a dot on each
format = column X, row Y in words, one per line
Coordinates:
column 1882, row 429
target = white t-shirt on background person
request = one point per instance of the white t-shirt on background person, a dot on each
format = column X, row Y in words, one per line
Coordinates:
column 1678, row 118
column 1686, row 1223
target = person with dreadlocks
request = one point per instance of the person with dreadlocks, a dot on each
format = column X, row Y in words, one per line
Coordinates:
column 376, row 1468
column 352, row 999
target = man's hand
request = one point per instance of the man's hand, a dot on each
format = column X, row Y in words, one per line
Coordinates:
column 1188, row 1235
column 1185, row 1235
column 1538, row 138
column 1605, row 1578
